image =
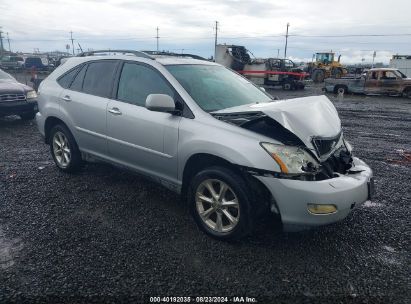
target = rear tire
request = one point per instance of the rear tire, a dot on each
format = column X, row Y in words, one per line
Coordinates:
column 407, row 93
column 340, row 89
column 227, row 213
column 28, row 116
column 64, row 149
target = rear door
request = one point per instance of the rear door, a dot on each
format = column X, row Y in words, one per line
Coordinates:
column 372, row 83
column 85, row 101
column 138, row 138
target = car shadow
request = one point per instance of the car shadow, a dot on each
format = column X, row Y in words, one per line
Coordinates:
column 10, row 121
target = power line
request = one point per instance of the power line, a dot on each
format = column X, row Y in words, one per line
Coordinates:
column 351, row 35
column 143, row 38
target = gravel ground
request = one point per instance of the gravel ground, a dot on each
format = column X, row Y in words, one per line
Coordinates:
column 105, row 235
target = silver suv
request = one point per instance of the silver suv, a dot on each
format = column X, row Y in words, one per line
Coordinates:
column 207, row 133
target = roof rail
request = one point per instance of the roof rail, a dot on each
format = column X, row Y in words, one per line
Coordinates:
column 164, row 53
column 122, row 52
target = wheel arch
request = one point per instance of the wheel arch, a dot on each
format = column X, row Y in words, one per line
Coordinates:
column 406, row 89
column 50, row 122
column 200, row 161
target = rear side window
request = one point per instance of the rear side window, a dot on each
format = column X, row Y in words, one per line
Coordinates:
column 138, row 81
column 99, row 78
column 67, row 78
column 77, row 84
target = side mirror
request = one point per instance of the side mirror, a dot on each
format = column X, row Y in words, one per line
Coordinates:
column 262, row 89
column 160, row 103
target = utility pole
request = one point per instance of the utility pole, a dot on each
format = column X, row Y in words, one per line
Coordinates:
column 286, row 41
column 1, row 43
column 8, row 40
column 373, row 58
column 215, row 41
column 157, row 37
column 278, row 53
column 72, row 41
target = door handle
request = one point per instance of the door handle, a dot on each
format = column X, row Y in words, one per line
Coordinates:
column 115, row 111
column 66, row 98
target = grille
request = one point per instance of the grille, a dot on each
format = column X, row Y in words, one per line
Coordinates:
column 12, row 97
column 325, row 145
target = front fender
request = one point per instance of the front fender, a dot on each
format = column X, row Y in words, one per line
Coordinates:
column 239, row 147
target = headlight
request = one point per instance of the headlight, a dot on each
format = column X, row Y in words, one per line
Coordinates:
column 31, row 94
column 291, row 159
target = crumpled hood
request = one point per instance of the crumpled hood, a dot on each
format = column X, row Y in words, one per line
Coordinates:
column 306, row 117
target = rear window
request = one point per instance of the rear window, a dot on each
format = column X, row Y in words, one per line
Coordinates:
column 77, row 84
column 34, row 61
column 99, row 78
column 67, row 78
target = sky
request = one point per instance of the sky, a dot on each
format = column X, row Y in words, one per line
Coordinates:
column 352, row 28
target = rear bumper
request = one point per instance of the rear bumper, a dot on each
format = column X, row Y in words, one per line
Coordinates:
column 345, row 192
column 17, row 108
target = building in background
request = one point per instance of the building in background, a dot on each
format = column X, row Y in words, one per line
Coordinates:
column 403, row 63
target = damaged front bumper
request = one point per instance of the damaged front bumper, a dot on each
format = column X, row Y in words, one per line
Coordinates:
column 345, row 191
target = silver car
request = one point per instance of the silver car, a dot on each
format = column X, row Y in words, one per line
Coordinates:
column 201, row 130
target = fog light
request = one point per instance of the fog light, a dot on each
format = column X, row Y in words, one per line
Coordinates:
column 321, row 209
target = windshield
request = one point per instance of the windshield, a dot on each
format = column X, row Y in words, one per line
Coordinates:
column 215, row 88
column 325, row 57
column 5, row 76
column 401, row 74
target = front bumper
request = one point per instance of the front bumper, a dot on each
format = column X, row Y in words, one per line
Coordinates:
column 345, row 192
column 18, row 108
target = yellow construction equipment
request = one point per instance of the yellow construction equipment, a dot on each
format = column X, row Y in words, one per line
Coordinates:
column 324, row 66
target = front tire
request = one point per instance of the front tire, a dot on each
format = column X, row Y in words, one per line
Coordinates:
column 64, row 149
column 318, row 76
column 220, row 203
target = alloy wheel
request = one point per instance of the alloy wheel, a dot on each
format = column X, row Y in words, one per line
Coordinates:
column 61, row 149
column 217, row 205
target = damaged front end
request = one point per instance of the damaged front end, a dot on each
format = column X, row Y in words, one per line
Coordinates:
column 325, row 158
column 316, row 181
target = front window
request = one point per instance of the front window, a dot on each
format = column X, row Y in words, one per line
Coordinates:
column 388, row 75
column 215, row 87
column 138, row 81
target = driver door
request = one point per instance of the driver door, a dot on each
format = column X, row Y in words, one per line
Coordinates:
column 137, row 137
column 391, row 83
